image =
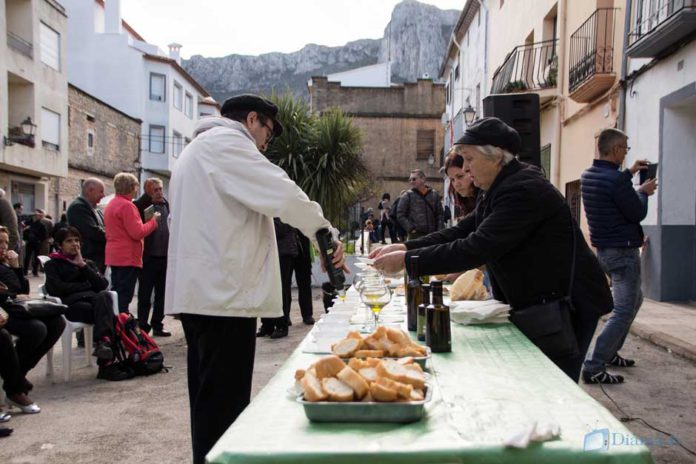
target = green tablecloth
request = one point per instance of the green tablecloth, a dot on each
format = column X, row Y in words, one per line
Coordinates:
column 492, row 385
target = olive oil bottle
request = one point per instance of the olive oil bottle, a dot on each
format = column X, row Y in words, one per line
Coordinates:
column 420, row 327
column 438, row 334
column 413, row 294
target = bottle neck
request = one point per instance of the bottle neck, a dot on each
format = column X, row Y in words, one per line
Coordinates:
column 413, row 269
column 436, row 289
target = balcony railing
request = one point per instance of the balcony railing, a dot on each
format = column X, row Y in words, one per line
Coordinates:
column 592, row 48
column 19, row 44
column 659, row 24
column 528, row 67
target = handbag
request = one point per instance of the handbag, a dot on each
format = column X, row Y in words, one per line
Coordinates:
column 34, row 309
column 549, row 324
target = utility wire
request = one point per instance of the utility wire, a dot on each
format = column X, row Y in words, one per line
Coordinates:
column 627, row 418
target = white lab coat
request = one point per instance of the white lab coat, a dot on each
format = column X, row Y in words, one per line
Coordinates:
column 223, row 194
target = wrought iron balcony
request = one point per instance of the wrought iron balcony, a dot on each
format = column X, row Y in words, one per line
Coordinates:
column 19, row 44
column 591, row 61
column 528, row 67
column 660, row 24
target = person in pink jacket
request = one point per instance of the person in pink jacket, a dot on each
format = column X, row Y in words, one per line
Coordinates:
column 124, row 238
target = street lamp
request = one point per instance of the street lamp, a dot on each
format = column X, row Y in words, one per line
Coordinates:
column 431, row 160
column 23, row 134
column 469, row 114
column 28, row 127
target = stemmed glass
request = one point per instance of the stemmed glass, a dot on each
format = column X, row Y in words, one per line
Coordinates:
column 375, row 296
column 359, row 281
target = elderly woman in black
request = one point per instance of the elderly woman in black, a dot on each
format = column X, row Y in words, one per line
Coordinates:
column 522, row 230
column 35, row 336
column 80, row 286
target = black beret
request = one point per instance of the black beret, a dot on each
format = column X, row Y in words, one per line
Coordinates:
column 254, row 103
column 492, row 131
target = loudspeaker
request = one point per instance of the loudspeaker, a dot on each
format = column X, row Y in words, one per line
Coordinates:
column 520, row 111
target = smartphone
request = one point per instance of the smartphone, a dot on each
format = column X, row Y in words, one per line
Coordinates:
column 149, row 212
column 650, row 173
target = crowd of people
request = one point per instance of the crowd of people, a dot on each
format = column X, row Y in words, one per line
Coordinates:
column 125, row 236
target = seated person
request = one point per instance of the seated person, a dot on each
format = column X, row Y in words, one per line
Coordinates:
column 80, row 286
column 35, row 336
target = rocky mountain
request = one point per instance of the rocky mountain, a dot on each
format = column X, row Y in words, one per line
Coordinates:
column 416, row 38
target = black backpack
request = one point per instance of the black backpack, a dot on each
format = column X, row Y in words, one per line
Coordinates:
column 135, row 347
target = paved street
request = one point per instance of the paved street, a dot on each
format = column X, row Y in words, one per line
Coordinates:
column 146, row 419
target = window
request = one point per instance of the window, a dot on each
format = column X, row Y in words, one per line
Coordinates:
column 50, row 129
column 156, row 139
column 477, row 103
column 447, row 93
column 158, row 87
column 90, row 143
column 573, row 198
column 188, row 105
column 425, row 144
column 546, row 160
column 456, row 73
column 178, row 96
column 178, row 144
column 50, row 47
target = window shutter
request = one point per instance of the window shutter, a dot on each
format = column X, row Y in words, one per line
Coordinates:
column 50, row 129
column 50, row 47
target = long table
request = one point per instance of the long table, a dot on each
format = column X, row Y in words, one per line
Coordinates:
column 492, row 385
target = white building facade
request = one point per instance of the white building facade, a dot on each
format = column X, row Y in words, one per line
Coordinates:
column 33, row 100
column 111, row 61
column 661, row 125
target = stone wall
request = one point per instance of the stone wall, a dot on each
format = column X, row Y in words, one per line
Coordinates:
column 390, row 120
column 115, row 146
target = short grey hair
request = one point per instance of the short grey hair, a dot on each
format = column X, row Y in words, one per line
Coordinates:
column 418, row 172
column 89, row 183
column 493, row 153
column 607, row 139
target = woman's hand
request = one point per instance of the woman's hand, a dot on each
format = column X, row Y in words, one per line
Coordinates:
column 387, row 249
column 78, row 260
column 3, row 317
column 390, row 263
column 12, row 258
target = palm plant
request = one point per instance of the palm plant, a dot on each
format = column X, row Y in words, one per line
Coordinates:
column 322, row 154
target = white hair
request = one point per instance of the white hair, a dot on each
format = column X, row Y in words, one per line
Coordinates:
column 493, row 153
column 2, row 193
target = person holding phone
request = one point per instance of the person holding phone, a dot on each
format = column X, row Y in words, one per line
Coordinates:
column 153, row 275
column 614, row 211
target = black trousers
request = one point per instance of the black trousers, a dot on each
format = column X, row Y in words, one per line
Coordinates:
column 36, row 337
column 123, row 280
column 584, row 324
column 97, row 310
column 220, row 367
column 31, row 257
column 301, row 265
column 13, row 380
column 153, row 276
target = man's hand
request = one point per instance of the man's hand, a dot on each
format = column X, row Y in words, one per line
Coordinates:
column 12, row 258
column 339, row 259
column 3, row 317
column 648, row 187
column 390, row 263
column 387, row 249
column 639, row 165
column 156, row 215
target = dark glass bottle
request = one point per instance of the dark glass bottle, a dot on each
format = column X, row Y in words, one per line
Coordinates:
column 327, row 249
column 438, row 334
column 420, row 328
column 413, row 295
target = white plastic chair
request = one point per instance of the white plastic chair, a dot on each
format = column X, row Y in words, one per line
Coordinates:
column 71, row 327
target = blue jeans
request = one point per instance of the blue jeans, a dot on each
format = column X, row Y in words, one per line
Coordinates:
column 623, row 266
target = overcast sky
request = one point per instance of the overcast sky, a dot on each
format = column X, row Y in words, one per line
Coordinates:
column 223, row 27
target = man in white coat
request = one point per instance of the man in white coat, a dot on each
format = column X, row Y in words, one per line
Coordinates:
column 224, row 268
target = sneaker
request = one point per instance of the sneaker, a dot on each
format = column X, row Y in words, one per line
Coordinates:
column 619, row 361
column 279, row 333
column 602, row 377
column 112, row 372
column 103, row 351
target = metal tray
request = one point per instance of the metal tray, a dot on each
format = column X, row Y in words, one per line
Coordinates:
column 356, row 411
column 423, row 360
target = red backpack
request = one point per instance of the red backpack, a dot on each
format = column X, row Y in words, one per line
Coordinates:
column 135, row 347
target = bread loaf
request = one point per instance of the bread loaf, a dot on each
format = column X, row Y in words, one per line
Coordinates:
column 369, row 354
column 347, row 347
column 354, row 381
column 337, row 390
column 466, row 285
column 312, row 388
column 328, row 366
column 382, row 393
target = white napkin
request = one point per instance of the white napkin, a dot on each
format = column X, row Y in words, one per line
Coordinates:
column 535, row 432
column 479, row 312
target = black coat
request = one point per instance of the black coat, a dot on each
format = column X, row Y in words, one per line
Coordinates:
column 65, row 280
column 521, row 230
column 287, row 239
column 83, row 218
column 142, row 203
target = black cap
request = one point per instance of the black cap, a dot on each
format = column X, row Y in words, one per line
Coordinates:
column 492, row 131
column 254, row 103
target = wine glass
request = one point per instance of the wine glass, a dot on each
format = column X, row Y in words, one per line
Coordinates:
column 376, row 297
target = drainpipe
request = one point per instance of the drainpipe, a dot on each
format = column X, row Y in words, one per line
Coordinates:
column 561, row 96
column 485, row 55
column 621, row 117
